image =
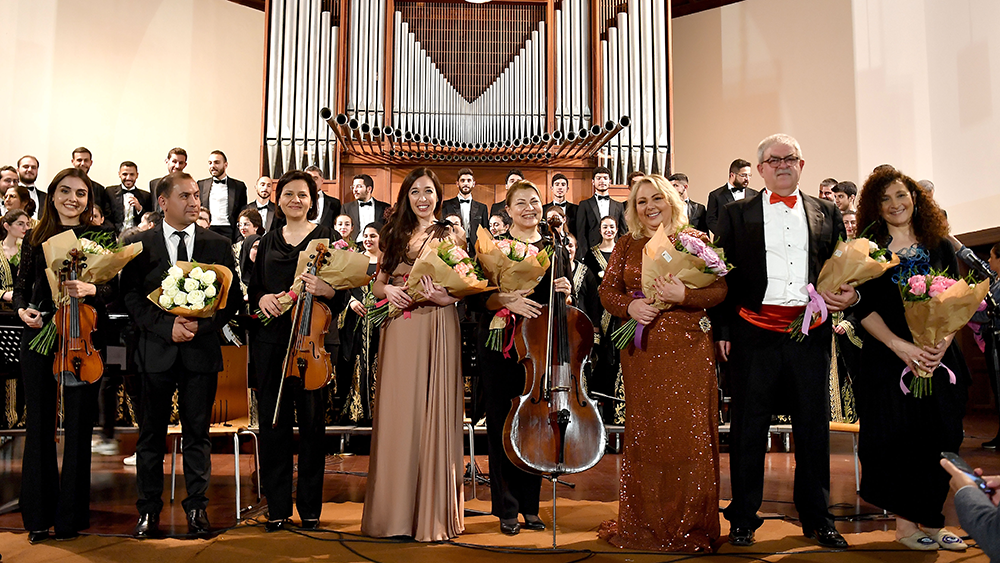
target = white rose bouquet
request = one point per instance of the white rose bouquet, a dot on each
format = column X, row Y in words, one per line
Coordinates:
column 195, row 290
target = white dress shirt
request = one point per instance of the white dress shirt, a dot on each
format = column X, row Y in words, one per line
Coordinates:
column 319, row 208
column 786, row 242
column 603, row 205
column 218, row 203
column 263, row 212
column 33, row 193
column 736, row 195
column 171, row 241
column 465, row 205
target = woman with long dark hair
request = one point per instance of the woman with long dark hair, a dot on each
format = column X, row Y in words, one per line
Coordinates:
column 607, row 377
column 902, row 436
column 49, row 499
column 415, row 471
column 359, row 347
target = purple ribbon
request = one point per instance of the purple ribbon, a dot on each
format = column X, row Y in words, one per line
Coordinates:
column 638, row 326
column 951, row 377
column 815, row 305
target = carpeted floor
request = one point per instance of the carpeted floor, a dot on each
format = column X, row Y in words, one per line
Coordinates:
column 340, row 541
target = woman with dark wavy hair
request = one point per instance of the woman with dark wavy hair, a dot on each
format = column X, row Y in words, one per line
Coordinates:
column 416, row 468
column 902, row 436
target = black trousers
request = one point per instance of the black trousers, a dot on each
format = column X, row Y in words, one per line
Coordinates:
column 196, row 393
column 47, row 498
column 224, row 230
column 774, row 373
column 513, row 491
column 277, row 444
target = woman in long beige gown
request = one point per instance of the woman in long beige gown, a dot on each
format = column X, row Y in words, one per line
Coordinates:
column 416, row 468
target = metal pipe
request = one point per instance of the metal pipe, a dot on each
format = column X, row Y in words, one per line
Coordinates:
column 326, row 115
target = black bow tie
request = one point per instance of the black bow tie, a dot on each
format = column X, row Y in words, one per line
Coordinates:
column 366, row 203
column 261, row 207
column 563, row 204
column 738, row 189
column 218, row 181
column 603, row 198
column 465, row 201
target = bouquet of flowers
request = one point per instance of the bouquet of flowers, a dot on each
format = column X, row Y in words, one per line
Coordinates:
column 688, row 257
column 193, row 290
column 104, row 258
column 510, row 265
column 936, row 306
column 345, row 268
column 853, row 263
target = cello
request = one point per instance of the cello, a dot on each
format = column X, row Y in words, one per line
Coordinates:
column 554, row 428
column 307, row 357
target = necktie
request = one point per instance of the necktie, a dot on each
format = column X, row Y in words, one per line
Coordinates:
column 366, row 203
column 603, row 198
column 788, row 200
column 182, row 249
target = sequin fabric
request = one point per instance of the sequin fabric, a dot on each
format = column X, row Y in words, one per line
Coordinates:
column 670, row 468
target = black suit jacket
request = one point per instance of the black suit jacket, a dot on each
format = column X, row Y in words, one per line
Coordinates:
column 499, row 208
column 741, row 235
column 156, row 351
column 351, row 210
column 331, row 209
column 42, row 196
column 588, row 223
column 572, row 211
column 237, row 198
column 479, row 216
column 697, row 216
column 270, row 213
column 717, row 200
column 116, row 201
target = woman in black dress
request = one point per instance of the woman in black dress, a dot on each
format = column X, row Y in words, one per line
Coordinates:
column 360, row 338
column 273, row 273
column 513, row 491
column 902, row 436
column 49, row 499
column 607, row 363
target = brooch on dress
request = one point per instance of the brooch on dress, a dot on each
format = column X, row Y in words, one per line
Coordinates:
column 704, row 324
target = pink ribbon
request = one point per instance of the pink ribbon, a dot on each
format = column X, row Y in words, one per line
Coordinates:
column 815, row 305
column 293, row 295
column 505, row 313
column 639, row 327
column 951, row 377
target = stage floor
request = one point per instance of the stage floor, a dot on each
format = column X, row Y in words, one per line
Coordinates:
column 580, row 511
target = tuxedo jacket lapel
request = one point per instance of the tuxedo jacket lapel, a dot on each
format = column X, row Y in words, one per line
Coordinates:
column 815, row 220
column 158, row 255
column 753, row 218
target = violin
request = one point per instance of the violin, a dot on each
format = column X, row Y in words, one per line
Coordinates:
column 307, row 357
column 554, row 428
column 75, row 322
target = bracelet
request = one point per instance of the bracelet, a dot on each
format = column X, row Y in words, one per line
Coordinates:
column 858, row 300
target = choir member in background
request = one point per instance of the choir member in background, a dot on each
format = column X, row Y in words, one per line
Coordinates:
column 175, row 353
column 560, row 186
column 607, row 376
column 697, row 214
column 671, row 454
column 262, row 203
column 499, row 225
column 249, row 222
column 473, row 213
column 328, row 206
column 49, row 499
column 513, row 176
column 593, row 211
column 14, row 226
column 851, row 223
column 902, row 436
column 224, row 195
column 513, row 491
column 563, row 228
column 585, row 296
column 365, row 208
column 359, row 354
column 16, row 197
column 415, row 471
column 273, row 273
column 27, row 172
column 8, row 177
column 344, row 225
column 204, row 218
column 149, row 220
column 176, row 161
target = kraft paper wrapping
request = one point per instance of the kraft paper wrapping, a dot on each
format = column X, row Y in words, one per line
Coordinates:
column 430, row 264
column 932, row 320
column 101, row 268
column 222, row 274
column 851, row 265
column 660, row 258
column 343, row 270
column 504, row 273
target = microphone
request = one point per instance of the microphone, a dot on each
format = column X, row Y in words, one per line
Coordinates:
column 976, row 264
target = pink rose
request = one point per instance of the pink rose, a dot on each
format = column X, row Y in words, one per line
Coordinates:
column 532, row 250
column 939, row 285
column 463, row 269
column 504, row 246
column 520, row 249
column 918, row 285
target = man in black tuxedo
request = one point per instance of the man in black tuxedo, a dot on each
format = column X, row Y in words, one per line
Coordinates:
column 365, row 208
column 560, row 185
column 82, row 159
column 696, row 212
column 473, row 213
column 263, row 203
column 777, row 241
column 175, row 352
column 27, row 174
column 737, row 188
column 223, row 195
column 513, row 176
column 127, row 202
column 177, row 161
column 328, row 208
column 592, row 210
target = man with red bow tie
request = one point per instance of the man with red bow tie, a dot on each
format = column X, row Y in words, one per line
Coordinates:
column 778, row 240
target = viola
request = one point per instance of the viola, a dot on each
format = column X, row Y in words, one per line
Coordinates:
column 307, row 358
column 75, row 323
column 554, row 428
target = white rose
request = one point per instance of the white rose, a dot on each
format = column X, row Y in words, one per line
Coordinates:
column 165, row 301
column 210, row 291
column 196, row 296
column 872, row 247
column 180, row 299
column 170, row 292
column 168, row 282
column 196, row 273
column 191, row 285
column 175, row 272
column 196, row 305
column 208, row 278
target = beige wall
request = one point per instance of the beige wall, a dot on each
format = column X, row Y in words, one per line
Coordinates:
column 130, row 79
column 858, row 82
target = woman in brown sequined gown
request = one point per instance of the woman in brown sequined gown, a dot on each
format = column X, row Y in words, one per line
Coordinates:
column 669, row 497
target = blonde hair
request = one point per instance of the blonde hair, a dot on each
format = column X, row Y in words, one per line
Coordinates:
column 678, row 211
column 775, row 139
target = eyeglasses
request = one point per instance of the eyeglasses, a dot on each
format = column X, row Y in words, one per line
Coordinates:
column 790, row 160
column 746, row 176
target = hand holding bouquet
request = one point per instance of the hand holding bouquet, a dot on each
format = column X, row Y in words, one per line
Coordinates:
column 193, row 290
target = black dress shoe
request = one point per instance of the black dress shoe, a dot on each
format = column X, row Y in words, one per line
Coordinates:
column 510, row 529
column 309, row 524
column 67, row 536
column 826, row 535
column 533, row 523
column 276, row 525
column 38, row 536
column 992, row 444
column 147, row 526
column 741, row 537
column 197, row 521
